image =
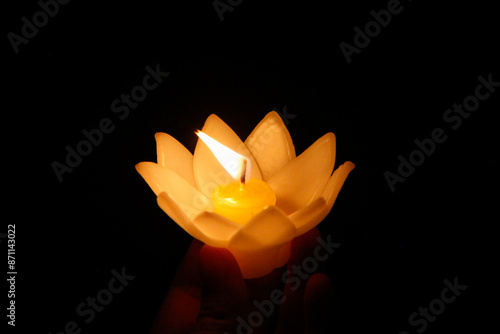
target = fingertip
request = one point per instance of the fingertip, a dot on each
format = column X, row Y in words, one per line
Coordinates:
column 218, row 264
column 223, row 291
column 319, row 307
column 318, row 285
column 304, row 245
column 308, row 237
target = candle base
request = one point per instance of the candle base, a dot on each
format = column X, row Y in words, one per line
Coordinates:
column 240, row 202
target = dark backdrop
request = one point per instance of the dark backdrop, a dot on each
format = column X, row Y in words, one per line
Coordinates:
column 397, row 247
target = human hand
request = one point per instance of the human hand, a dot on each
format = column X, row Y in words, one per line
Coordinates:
column 209, row 295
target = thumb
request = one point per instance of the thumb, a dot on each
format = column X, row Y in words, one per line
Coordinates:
column 223, row 296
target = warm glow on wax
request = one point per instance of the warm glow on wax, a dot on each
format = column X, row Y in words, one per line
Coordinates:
column 244, row 198
column 254, row 215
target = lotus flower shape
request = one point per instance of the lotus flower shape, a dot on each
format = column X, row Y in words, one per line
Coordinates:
column 304, row 186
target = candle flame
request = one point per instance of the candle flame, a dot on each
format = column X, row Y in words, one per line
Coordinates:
column 237, row 165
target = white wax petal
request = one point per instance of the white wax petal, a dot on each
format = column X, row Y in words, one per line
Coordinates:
column 178, row 214
column 268, row 228
column 310, row 216
column 307, row 218
column 162, row 179
column 301, row 181
column 172, row 154
column 216, row 230
column 332, row 188
column 260, row 246
column 271, row 145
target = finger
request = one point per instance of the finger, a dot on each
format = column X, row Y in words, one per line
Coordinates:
column 291, row 319
column 265, row 294
column 319, row 313
column 182, row 303
column 261, row 288
column 224, row 296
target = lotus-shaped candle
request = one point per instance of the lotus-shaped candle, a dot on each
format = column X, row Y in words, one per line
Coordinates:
column 250, row 197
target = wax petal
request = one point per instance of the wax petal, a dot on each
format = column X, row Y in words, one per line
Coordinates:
column 260, row 245
column 268, row 228
column 336, row 182
column 162, row 179
column 178, row 214
column 216, row 230
column 310, row 216
column 271, row 145
column 307, row 218
column 284, row 254
column 302, row 180
column 172, row 154
column 208, row 172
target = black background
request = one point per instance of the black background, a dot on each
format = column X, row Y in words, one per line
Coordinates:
column 397, row 247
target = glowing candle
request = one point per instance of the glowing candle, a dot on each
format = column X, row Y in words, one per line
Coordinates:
column 239, row 200
column 251, row 197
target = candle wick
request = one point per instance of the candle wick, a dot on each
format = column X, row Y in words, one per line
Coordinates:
column 243, row 171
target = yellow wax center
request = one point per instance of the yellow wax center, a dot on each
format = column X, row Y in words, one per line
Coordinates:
column 240, row 202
